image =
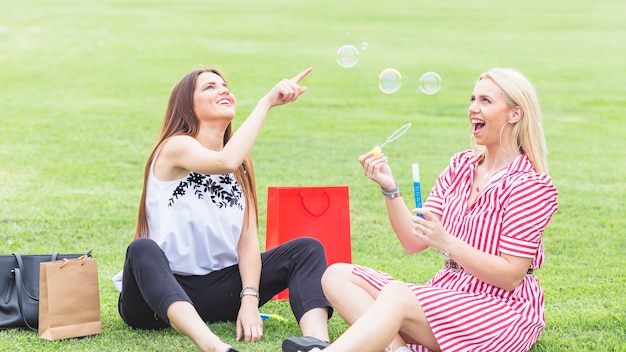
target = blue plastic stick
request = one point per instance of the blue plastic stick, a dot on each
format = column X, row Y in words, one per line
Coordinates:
column 417, row 191
column 265, row 316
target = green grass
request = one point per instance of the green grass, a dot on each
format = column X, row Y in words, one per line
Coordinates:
column 85, row 84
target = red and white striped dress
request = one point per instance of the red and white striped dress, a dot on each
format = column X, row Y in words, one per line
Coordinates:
column 508, row 216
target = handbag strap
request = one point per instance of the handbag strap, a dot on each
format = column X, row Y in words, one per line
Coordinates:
column 11, row 285
column 19, row 287
column 309, row 211
column 20, row 265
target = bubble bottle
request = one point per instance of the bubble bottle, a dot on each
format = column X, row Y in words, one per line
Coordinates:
column 417, row 189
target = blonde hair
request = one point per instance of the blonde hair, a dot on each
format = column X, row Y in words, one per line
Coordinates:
column 527, row 135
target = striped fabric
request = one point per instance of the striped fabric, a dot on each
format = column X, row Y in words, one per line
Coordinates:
column 508, row 216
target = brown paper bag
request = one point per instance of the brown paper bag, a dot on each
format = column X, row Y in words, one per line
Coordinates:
column 69, row 299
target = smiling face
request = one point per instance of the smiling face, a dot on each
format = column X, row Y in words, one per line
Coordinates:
column 488, row 113
column 212, row 98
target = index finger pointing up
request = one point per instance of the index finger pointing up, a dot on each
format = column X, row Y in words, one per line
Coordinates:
column 297, row 78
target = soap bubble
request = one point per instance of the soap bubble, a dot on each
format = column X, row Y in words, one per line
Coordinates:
column 430, row 83
column 389, row 80
column 365, row 46
column 347, row 56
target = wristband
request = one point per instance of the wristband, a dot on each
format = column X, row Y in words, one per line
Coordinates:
column 446, row 253
column 244, row 292
column 391, row 193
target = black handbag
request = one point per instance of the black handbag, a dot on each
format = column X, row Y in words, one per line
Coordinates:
column 19, row 288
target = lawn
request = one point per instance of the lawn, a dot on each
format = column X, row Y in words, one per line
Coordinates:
column 85, row 84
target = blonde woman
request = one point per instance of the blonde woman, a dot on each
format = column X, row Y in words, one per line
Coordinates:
column 486, row 214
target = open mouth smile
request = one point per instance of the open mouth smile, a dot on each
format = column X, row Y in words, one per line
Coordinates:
column 224, row 101
column 477, row 125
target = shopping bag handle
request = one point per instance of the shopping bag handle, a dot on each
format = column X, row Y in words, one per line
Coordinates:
column 82, row 259
column 309, row 211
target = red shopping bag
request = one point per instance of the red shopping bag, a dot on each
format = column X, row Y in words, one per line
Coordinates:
column 321, row 212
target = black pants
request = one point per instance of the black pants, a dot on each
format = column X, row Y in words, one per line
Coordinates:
column 149, row 287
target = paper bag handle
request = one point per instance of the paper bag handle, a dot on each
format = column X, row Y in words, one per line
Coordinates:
column 309, row 211
column 82, row 259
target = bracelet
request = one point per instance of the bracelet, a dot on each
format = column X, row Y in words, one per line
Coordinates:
column 255, row 293
column 392, row 193
column 250, row 294
column 446, row 253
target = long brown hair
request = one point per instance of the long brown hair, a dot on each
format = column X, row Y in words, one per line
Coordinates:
column 180, row 119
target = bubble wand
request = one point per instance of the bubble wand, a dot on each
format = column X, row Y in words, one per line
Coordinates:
column 271, row 316
column 397, row 134
column 417, row 189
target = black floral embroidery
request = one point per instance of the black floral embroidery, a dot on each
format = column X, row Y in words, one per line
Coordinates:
column 224, row 192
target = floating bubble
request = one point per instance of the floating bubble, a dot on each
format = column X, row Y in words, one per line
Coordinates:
column 389, row 80
column 365, row 46
column 430, row 83
column 347, row 56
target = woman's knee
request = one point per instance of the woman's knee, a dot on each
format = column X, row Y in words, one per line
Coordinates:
column 143, row 249
column 335, row 277
column 141, row 245
column 310, row 244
